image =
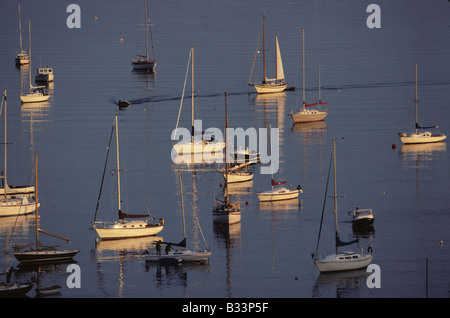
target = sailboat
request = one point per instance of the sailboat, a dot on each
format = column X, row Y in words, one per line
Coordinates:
column 182, row 254
column 339, row 261
column 194, row 145
column 419, row 136
column 307, row 114
column 279, row 192
column 43, row 253
column 237, row 173
column 22, row 58
column 225, row 211
column 123, row 229
column 10, row 189
column 270, row 85
column 144, row 62
column 36, row 93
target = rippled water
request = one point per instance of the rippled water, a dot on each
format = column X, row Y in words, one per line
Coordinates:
column 367, row 78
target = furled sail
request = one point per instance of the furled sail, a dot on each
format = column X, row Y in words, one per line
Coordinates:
column 131, row 216
column 341, row 243
column 429, row 127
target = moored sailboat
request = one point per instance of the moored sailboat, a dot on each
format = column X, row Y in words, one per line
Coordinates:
column 419, row 136
column 144, row 62
column 43, row 253
column 339, row 261
column 122, row 228
column 307, row 114
column 182, row 254
column 270, row 85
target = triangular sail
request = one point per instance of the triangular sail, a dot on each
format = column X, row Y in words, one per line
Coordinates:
column 280, row 71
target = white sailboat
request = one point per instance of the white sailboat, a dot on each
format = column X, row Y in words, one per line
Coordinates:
column 225, row 211
column 123, row 229
column 22, row 57
column 7, row 188
column 194, row 145
column 43, row 253
column 182, row 254
column 270, row 85
column 237, row 173
column 419, row 136
column 339, row 261
column 307, row 114
column 144, row 62
column 36, row 93
column 279, row 192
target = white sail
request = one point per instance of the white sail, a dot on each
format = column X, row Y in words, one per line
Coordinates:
column 280, row 71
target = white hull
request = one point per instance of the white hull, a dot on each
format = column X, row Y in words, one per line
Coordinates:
column 305, row 115
column 34, row 98
column 226, row 217
column 22, row 60
column 343, row 262
column 234, row 177
column 17, row 206
column 14, row 190
column 201, row 146
column 421, row 138
column 278, row 194
column 132, row 229
column 269, row 88
column 180, row 256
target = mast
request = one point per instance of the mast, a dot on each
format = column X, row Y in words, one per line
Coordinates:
column 276, row 55
column 264, row 46
column 29, row 49
column 192, row 94
column 335, row 190
column 303, row 63
column 226, row 150
column 182, row 205
column 118, row 165
column 20, row 31
column 415, row 100
column 5, row 186
column 37, row 205
column 146, row 36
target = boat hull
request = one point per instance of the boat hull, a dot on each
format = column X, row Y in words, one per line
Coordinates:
column 127, row 230
column 238, row 177
column 14, row 290
column 34, row 98
column 143, row 65
column 343, row 262
column 17, row 206
column 45, row 255
column 269, row 88
column 226, row 217
column 14, row 190
column 305, row 116
column 178, row 256
column 422, row 138
column 277, row 195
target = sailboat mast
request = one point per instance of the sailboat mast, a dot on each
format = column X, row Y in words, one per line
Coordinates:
column 303, row 64
column 226, row 150
column 415, row 100
column 146, row 37
column 118, row 165
column 29, row 48
column 192, row 94
column 182, row 205
column 276, row 55
column 335, row 188
column 264, row 46
column 5, row 183
column 20, row 31
column 36, row 201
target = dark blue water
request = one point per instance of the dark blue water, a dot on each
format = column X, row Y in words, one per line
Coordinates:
column 367, row 78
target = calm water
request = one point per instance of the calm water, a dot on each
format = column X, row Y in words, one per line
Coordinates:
column 367, row 77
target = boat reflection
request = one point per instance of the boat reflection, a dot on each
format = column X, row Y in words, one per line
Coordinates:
column 283, row 205
column 421, row 155
column 347, row 284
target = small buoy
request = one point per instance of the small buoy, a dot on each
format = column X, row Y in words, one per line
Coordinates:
column 246, row 202
column 95, row 18
column 221, row 184
column 121, row 39
column 442, row 242
column 394, row 146
column 296, row 278
column 384, row 192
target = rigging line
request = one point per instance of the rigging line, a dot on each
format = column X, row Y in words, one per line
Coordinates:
column 324, row 201
column 256, row 51
column 104, row 170
column 182, row 95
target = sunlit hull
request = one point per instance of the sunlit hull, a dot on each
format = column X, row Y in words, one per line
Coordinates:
column 306, row 115
column 14, row 190
column 278, row 194
column 34, row 98
column 133, row 229
column 269, row 88
column 421, row 138
column 343, row 262
column 234, row 177
column 17, row 206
